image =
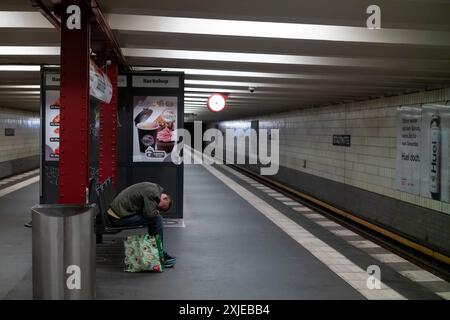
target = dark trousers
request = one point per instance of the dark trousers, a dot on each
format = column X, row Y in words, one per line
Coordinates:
column 154, row 225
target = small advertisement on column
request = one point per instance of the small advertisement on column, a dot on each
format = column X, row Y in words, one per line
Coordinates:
column 52, row 106
column 422, row 166
column 154, row 128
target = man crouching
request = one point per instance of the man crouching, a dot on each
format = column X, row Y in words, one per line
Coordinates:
column 142, row 204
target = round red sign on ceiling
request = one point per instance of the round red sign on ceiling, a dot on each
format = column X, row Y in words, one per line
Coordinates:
column 216, row 102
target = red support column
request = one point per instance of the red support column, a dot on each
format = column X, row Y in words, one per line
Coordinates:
column 108, row 130
column 74, row 111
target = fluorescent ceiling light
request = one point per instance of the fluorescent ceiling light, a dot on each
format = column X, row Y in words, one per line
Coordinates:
column 222, row 90
column 187, row 94
column 21, row 98
column 240, row 84
column 231, row 73
column 231, row 100
column 241, row 28
column 23, row 19
column 248, row 57
column 19, row 68
column 194, row 101
column 247, row 74
column 275, row 30
column 382, row 63
column 213, row 90
column 197, row 98
column 20, row 86
column 260, row 85
column 20, row 92
column 29, row 51
column 248, row 96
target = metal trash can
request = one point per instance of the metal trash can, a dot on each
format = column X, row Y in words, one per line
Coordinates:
column 63, row 252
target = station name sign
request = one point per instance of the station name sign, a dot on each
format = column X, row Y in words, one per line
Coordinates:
column 343, row 140
column 10, row 132
column 156, row 82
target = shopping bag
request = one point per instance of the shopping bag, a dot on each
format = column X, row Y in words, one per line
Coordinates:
column 143, row 252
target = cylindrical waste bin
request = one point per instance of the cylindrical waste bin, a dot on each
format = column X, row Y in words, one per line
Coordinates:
column 63, row 252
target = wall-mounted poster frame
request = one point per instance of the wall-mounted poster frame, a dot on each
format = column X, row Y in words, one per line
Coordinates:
column 49, row 137
column 152, row 85
column 151, row 109
column 423, row 150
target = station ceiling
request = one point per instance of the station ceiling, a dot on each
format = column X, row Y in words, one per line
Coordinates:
column 295, row 53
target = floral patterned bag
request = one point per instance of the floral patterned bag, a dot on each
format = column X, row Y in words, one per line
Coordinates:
column 143, row 253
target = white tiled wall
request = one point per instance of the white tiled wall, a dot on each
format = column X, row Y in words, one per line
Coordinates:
column 25, row 143
column 370, row 161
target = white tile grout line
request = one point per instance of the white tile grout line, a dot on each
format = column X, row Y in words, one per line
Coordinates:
column 18, row 186
column 357, row 277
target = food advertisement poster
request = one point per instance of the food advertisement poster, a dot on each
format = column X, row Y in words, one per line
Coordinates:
column 154, row 128
column 423, row 151
column 52, row 106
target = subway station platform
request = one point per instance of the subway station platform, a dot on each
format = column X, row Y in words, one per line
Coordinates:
column 240, row 240
column 319, row 130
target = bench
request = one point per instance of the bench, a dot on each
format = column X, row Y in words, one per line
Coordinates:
column 105, row 195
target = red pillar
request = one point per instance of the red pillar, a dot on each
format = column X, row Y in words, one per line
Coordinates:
column 74, row 111
column 108, row 130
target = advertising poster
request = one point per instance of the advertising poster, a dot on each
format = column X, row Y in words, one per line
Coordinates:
column 409, row 125
column 52, row 106
column 154, row 128
column 422, row 164
column 435, row 152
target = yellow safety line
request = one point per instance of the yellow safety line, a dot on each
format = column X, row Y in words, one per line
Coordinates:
column 394, row 236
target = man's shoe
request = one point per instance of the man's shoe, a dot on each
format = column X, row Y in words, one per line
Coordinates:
column 169, row 264
column 28, row 224
column 168, row 258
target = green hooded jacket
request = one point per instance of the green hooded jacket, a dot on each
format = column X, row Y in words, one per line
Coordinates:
column 140, row 198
